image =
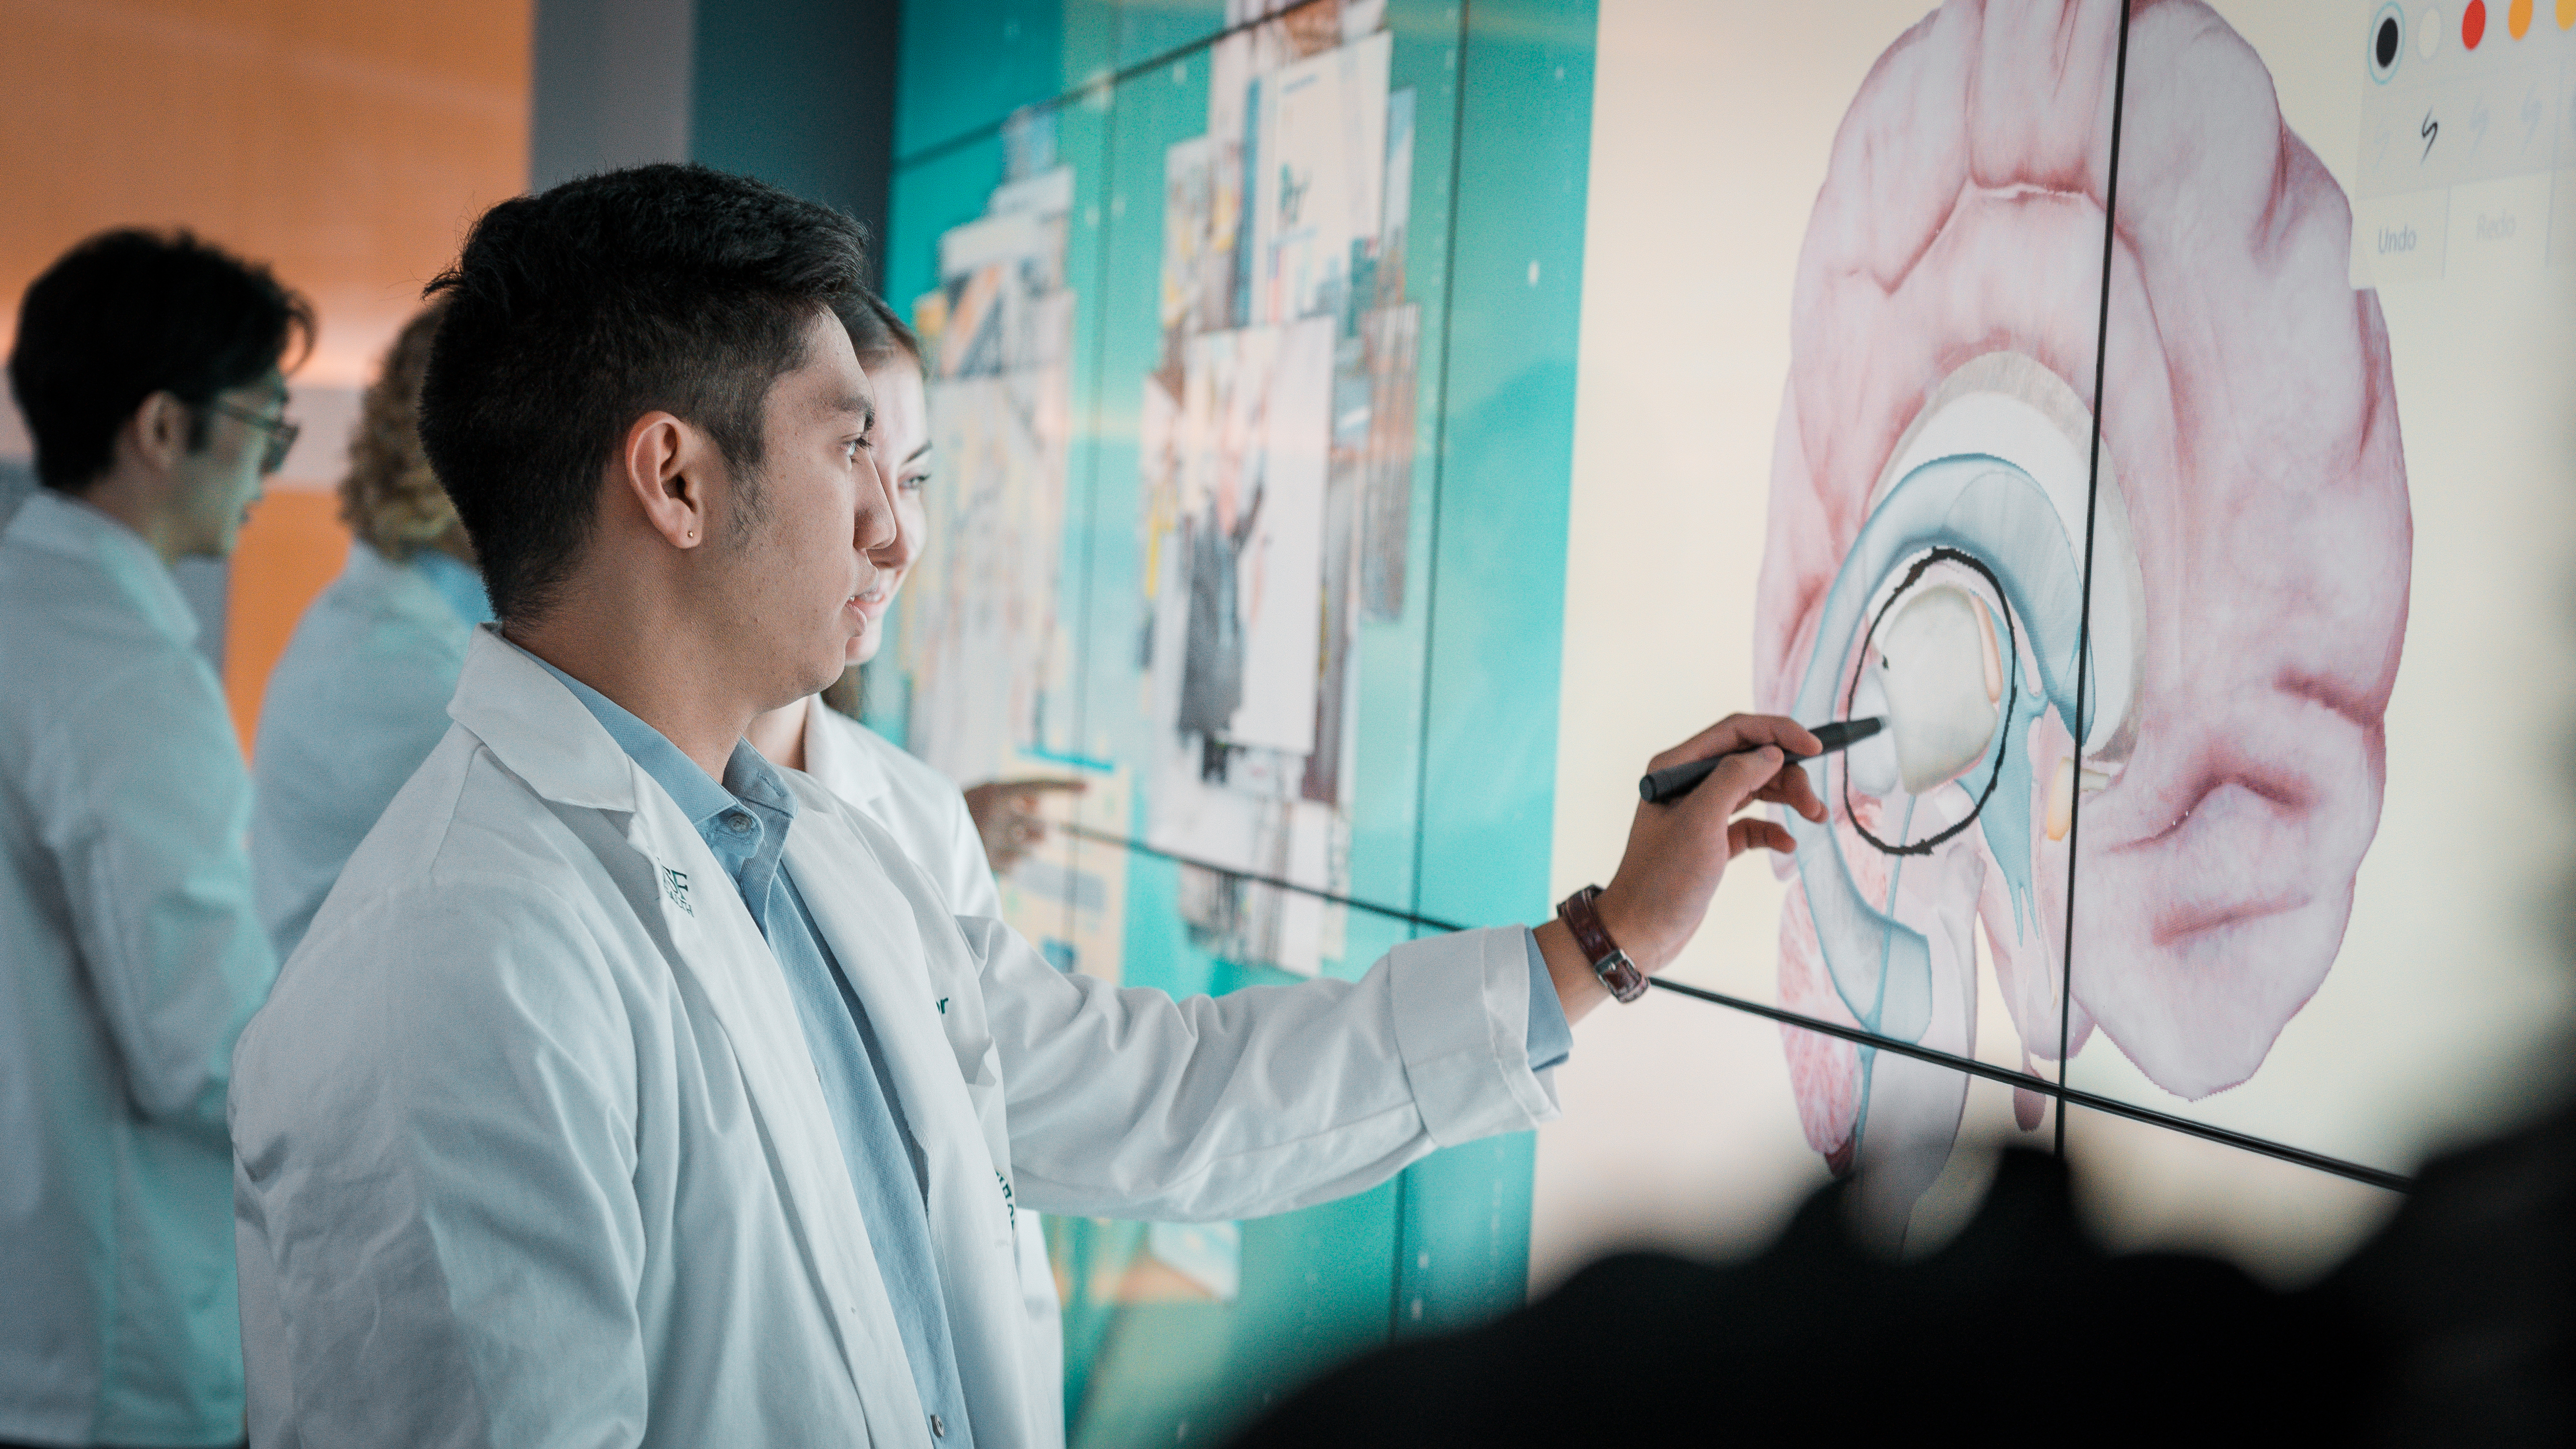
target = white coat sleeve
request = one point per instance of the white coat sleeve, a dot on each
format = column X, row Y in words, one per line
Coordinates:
column 144, row 804
column 435, row 1138
column 1128, row 1103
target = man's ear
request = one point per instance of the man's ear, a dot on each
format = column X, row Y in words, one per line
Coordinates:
column 158, row 433
column 666, row 467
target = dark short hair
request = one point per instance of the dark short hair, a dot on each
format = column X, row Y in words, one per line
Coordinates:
column 877, row 335
column 571, row 314
column 130, row 313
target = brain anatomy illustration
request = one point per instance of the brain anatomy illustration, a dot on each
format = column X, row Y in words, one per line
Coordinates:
column 1934, row 501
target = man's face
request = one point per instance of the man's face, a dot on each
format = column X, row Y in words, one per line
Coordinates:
column 213, row 487
column 903, row 454
column 792, row 566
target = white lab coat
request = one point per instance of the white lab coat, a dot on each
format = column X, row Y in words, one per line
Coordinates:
column 922, row 809
column 530, row 1150
column 130, row 957
column 355, row 704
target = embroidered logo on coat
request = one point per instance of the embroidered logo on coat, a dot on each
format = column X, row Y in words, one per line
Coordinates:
column 675, row 884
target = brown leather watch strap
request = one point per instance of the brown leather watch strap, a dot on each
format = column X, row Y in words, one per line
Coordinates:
column 1611, row 964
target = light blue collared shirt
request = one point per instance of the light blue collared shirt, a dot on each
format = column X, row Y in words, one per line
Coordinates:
column 745, row 822
column 1549, row 1036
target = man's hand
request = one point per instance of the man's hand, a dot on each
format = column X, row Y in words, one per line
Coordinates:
column 1677, row 852
column 1006, row 816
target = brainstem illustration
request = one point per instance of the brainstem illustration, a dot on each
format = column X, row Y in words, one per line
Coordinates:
column 2209, row 692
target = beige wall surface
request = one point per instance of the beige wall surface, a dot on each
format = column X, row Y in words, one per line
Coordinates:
column 1713, row 124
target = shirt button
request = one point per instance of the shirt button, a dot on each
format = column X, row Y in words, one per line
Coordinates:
column 738, row 821
column 938, row 1430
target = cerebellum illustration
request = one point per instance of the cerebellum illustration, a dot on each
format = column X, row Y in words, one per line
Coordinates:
column 2143, row 681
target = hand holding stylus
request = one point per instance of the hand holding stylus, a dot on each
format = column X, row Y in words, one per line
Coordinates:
column 1677, row 852
column 1672, row 783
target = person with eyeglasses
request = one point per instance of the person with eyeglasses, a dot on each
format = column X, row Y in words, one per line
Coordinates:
column 150, row 369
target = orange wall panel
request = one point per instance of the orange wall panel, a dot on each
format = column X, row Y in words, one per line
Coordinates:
column 347, row 142
column 291, row 549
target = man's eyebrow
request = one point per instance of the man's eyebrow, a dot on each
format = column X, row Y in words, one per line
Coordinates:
column 917, row 454
column 857, row 403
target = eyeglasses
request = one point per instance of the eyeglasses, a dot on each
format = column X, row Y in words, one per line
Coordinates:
column 281, row 433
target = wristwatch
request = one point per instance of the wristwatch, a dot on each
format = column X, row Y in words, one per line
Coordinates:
column 1617, row 972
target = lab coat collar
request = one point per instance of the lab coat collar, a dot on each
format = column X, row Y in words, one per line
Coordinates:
column 832, row 758
column 700, row 797
column 537, row 730
column 58, row 523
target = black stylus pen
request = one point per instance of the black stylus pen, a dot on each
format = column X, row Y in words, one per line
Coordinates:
column 1665, row 786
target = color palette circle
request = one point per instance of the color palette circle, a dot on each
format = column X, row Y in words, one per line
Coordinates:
column 2567, row 14
column 2473, row 24
column 2387, row 44
column 2517, row 18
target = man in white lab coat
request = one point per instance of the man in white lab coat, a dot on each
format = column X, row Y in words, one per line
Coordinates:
column 130, row 951
column 629, row 1090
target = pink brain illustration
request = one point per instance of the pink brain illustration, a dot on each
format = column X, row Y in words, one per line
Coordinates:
column 2221, row 610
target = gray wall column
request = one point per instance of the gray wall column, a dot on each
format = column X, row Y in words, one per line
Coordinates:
column 611, row 87
column 799, row 93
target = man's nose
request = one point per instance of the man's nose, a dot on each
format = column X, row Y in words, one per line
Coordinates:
column 900, row 550
column 880, row 524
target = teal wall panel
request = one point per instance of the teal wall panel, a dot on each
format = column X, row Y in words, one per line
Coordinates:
column 1497, row 619
column 1507, row 452
column 792, row 91
column 1456, row 725
column 968, row 66
column 1151, row 28
column 1315, row 1290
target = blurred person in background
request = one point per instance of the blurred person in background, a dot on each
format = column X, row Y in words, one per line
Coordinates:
column 961, row 840
column 359, row 699
column 150, row 371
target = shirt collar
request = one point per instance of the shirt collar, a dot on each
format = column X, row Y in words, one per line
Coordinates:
column 748, row 777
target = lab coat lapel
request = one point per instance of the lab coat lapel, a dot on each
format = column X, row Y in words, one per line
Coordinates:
column 540, row 733
column 920, row 993
column 719, row 950
column 852, row 774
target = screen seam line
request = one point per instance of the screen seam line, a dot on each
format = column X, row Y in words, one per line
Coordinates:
column 2058, row 1091
column 2084, row 606
column 1107, row 80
